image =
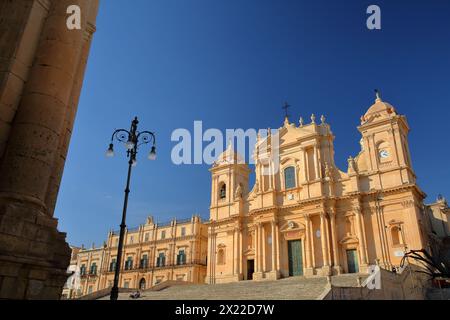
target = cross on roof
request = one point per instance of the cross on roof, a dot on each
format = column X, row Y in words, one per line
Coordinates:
column 286, row 108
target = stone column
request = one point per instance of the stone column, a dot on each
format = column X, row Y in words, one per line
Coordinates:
column 335, row 244
column 236, row 251
column 257, row 248
column 308, row 245
column 191, row 251
column 316, row 162
column 263, row 248
column 210, row 257
column 34, row 140
column 274, row 266
column 33, row 246
column 311, row 237
column 21, row 24
column 374, row 152
column 240, row 252
column 273, row 176
column 402, row 158
column 361, row 238
column 66, row 132
column 323, row 238
column 278, row 246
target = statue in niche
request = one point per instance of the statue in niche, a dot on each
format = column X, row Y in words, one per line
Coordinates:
column 351, row 165
column 328, row 171
column 250, row 240
column 238, row 193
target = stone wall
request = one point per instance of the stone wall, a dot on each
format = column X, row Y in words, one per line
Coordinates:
column 42, row 66
column 409, row 285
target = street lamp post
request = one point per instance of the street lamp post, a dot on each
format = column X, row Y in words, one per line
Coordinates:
column 132, row 139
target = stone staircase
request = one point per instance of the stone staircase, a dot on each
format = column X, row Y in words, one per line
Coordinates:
column 295, row 288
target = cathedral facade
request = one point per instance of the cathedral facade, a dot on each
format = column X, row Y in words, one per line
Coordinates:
column 309, row 217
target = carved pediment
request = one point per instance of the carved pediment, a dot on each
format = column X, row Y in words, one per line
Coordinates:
column 292, row 226
column 394, row 222
column 348, row 240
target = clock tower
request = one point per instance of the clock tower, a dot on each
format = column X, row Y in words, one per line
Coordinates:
column 229, row 184
column 384, row 144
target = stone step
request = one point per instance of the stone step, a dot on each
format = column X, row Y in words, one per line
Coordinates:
column 295, row 288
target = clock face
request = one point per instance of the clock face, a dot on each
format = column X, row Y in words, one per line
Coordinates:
column 384, row 154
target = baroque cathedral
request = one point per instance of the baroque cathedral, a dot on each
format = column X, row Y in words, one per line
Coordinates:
column 309, row 217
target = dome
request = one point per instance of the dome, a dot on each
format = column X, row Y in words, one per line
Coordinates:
column 229, row 156
column 379, row 109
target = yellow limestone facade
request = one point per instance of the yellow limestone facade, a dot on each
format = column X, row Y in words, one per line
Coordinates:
column 153, row 253
column 309, row 217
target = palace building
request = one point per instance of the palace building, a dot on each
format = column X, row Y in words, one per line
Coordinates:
column 153, row 253
column 309, row 217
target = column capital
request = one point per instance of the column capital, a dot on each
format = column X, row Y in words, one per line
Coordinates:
column 332, row 213
column 357, row 209
column 323, row 215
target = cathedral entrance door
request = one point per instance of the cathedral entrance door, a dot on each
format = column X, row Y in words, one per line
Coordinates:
column 295, row 258
column 352, row 261
column 250, row 269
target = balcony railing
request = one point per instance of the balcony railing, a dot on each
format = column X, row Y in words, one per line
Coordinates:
column 166, row 265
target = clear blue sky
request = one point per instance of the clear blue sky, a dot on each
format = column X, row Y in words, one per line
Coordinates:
column 231, row 64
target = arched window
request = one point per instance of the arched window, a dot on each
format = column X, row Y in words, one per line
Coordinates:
column 221, row 256
column 396, row 235
column 223, row 191
column 142, row 284
column 289, row 178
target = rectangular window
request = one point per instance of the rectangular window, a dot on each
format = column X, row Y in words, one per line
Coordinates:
column 126, row 284
column 89, row 289
column 181, row 257
column 93, row 270
column 129, row 263
column 146, row 237
column 112, row 265
column 161, row 260
column 163, row 234
column 144, row 262
column 83, row 270
column 183, row 231
column 131, row 239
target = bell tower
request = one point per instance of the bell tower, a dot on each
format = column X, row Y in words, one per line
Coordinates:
column 385, row 144
column 229, row 185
